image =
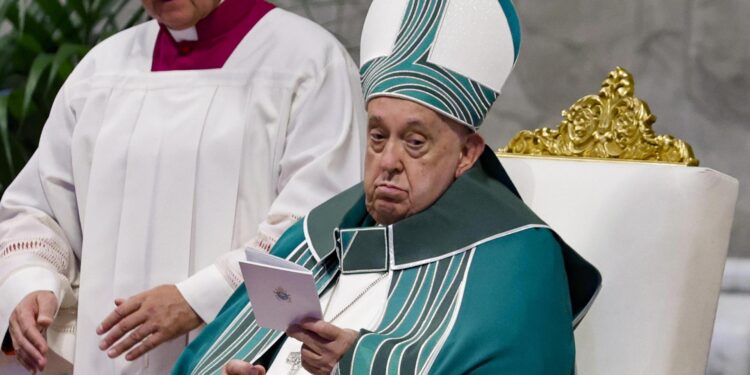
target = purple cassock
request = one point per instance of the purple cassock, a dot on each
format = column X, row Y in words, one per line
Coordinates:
column 218, row 35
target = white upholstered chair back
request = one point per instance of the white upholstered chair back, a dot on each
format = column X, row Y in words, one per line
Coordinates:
column 659, row 236
column 657, row 232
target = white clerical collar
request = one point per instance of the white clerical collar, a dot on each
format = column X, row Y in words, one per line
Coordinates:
column 190, row 34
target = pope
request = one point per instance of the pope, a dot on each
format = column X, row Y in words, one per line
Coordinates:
column 171, row 147
column 432, row 264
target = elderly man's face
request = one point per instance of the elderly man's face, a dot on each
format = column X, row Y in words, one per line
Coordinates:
column 179, row 14
column 413, row 155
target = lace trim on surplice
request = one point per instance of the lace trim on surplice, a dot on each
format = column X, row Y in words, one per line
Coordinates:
column 44, row 248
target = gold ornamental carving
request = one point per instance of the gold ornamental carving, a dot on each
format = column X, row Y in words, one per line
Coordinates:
column 613, row 125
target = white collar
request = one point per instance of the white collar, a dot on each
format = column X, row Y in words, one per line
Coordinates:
column 190, row 34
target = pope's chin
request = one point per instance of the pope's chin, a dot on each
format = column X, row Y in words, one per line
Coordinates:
column 385, row 211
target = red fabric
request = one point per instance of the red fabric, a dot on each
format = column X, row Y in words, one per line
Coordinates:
column 218, row 35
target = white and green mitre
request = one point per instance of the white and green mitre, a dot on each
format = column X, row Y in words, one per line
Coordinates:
column 450, row 55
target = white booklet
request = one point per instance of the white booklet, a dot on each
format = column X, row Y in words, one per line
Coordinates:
column 282, row 293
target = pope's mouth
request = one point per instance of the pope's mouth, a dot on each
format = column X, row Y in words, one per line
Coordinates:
column 389, row 192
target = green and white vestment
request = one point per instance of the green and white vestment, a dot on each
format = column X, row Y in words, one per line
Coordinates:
column 479, row 285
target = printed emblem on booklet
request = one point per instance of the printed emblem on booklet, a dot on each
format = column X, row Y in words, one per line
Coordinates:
column 282, row 295
column 271, row 282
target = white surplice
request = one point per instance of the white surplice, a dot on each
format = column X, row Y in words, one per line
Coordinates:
column 146, row 178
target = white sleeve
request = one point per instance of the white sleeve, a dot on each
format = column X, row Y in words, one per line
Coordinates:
column 322, row 156
column 39, row 225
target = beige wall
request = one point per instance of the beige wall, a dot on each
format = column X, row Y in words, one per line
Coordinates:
column 690, row 59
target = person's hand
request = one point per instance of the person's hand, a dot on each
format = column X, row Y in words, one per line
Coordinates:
column 28, row 325
column 149, row 319
column 323, row 344
column 237, row 367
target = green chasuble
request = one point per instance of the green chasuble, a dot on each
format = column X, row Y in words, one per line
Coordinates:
column 480, row 285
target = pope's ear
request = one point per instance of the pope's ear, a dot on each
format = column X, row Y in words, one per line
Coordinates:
column 470, row 152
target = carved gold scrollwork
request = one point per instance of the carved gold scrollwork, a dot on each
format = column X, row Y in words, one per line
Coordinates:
column 612, row 125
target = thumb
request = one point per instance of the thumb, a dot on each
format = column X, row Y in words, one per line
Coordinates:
column 237, row 367
column 47, row 303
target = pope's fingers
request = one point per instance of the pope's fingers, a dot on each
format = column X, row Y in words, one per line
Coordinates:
column 309, row 368
column 137, row 335
column 120, row 329
column 347, row 338
column 120, row 312
column 237, row 367
column 322, row 328
column 309, row 338
column 339, row 339
column 311, row 358
column 314, row 370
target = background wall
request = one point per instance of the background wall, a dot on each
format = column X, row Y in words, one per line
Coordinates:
column 690, row 61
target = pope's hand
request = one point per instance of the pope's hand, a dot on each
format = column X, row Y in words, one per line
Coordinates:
column 28, row 324
column 323, row 344
column 237, row 367
column 148, row 319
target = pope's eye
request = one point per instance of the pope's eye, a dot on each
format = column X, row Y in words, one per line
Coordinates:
column 376, row 140
column 415, row 141
column 376, row 136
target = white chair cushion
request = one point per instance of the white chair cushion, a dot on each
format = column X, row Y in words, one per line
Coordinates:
column 659, row 235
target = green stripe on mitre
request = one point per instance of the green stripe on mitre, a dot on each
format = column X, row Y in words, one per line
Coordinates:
column 433, row 86
column 406, row 73
column 439, row 97
column 514, row 23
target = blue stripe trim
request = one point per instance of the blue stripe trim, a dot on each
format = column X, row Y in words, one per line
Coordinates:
column 515, row 25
